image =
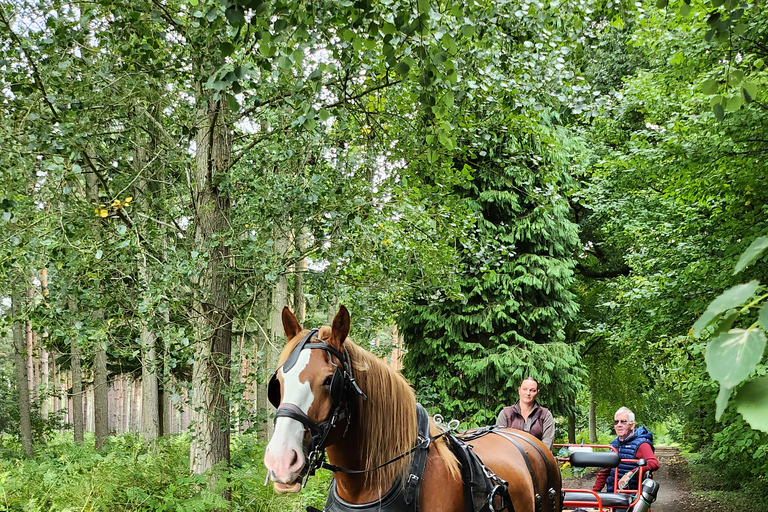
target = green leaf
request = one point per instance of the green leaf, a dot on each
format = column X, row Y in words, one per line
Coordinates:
column 731, row 298
column 722, row 401
column 752, row 403
column 324, row 114
column 734, row 103
column 402, row 68
column 226, row 49
column 235, row 15
column 719, row 112
column 762, row 317
column 753, row 252
column 232, row 103
column 662, row 4
column 709, row 86
column 733, row 356
column 727, row 322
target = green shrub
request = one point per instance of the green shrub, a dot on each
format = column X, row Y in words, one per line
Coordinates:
column 131, row 476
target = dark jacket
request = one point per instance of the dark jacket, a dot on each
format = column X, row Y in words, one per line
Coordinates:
column 628, row 450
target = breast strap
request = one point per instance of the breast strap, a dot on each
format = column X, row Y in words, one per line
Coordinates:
column 401, row 497
column 418, row 459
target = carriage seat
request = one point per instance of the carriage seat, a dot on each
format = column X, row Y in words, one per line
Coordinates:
column 585, row 459
column 608, row 499
column 594, row 459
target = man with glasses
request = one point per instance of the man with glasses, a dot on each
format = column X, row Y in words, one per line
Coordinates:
column 632, row 444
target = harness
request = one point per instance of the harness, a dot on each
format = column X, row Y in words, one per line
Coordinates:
column 510, row 436
column 484, row 491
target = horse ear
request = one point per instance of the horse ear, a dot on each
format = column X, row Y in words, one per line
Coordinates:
column 291, row 326
column 340, row 328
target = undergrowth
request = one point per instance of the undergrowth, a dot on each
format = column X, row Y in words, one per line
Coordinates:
column 731, row 487
column 131, row 476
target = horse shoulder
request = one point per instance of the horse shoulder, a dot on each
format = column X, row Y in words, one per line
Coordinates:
column 440, row 490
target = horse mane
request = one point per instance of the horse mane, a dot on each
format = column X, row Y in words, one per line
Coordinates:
column 386, row 422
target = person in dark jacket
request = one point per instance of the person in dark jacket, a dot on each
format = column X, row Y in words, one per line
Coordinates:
column 632, row 443
column 528, row 415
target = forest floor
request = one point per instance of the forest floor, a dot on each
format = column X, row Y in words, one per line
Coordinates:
column 675, row 490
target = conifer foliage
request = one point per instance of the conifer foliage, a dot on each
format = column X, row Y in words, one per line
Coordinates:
column 467, row 355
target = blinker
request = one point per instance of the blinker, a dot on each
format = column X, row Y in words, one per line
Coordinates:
column 337, row 380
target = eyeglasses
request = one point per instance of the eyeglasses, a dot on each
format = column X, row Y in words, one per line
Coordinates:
column 616, row 422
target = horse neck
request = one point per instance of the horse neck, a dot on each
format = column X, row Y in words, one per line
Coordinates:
column 382, row 427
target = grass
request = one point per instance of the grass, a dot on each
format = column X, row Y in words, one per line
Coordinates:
column 130, row 476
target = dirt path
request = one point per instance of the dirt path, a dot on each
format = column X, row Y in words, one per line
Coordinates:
column 675, row 493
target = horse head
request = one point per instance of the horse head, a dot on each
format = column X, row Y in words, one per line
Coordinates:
column 309, row 390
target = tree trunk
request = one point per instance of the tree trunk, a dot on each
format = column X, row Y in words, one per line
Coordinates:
column 168, row 388
column 299, row 302
column 22, row 377
column 592, row 418
column 150, row 410
column 45, row 373
column 100, row 386
column 77, row 384
column 279, row 301
column 213, row 334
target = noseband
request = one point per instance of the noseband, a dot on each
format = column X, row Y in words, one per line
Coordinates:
column 342, row 386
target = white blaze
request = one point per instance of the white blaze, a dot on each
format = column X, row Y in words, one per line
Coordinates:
column 288, row 439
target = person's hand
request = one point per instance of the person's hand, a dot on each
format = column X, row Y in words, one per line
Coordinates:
column 625, row 479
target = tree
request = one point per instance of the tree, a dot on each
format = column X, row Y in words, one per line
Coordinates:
column 509, row 322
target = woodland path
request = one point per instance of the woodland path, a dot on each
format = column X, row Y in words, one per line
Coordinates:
column 675, row 494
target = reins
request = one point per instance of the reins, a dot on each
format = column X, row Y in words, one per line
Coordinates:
column 423, row 444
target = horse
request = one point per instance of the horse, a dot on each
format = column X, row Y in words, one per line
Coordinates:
column 333, row 397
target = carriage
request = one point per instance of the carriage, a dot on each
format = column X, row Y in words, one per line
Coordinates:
column 334, row 399
column 636, row 498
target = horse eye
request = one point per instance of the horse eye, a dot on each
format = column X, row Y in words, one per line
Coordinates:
column 327, row 381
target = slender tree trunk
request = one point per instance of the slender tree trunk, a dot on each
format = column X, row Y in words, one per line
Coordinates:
column 592, row 418
column 168, row 387
column 77, row 384
column 264, row 347
column 29, row 351
column 279, row 301
column 45, row 380
column 22, row 378
column 213, row 337
column 100, row 386
column 299, row 302
column 100, row 395
column 571, row 429
column 150, row 409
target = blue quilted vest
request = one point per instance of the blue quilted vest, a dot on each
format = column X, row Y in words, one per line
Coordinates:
column 628, row 450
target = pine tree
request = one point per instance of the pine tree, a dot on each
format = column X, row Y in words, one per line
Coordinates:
column 467, row 356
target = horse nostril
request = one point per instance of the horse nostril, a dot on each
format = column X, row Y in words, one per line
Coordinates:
column 295, row 458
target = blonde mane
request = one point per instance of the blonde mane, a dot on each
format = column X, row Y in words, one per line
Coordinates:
column 386, row 422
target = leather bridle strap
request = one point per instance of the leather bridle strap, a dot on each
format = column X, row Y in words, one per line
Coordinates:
column 288, row 410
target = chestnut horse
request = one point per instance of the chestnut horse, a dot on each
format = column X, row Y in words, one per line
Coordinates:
column 333, row 396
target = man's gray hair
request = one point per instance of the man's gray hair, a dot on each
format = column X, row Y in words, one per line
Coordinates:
column 630, row 414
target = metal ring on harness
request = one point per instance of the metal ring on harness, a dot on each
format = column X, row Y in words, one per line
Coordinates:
column 499, row 491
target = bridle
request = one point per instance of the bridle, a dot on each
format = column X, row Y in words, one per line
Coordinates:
column 342, row 387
